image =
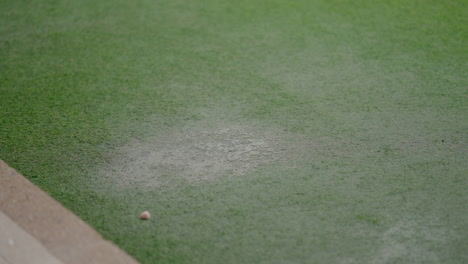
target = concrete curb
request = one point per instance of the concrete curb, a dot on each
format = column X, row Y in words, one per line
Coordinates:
column 62, row 234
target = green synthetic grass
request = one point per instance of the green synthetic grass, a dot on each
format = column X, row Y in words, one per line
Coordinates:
column 379, row 86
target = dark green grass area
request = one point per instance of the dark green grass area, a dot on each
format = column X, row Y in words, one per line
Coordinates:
column 380, row 87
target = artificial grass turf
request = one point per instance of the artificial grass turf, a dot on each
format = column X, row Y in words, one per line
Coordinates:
column 377, row 89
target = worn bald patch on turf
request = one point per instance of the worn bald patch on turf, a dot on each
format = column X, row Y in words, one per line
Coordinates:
column 195, row 154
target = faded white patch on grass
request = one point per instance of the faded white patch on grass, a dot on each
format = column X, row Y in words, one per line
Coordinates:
column 412, row 242
column 195, row 154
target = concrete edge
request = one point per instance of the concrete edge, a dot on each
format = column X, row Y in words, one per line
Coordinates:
column 63, row 233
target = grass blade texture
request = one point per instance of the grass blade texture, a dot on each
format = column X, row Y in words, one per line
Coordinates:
column 253, row 131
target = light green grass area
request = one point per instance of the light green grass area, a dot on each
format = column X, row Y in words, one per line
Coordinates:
column 373, row 92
